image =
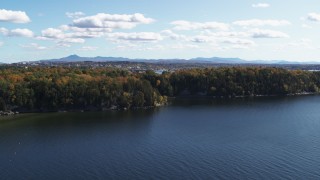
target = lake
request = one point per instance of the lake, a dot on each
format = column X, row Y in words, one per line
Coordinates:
column 259, row 138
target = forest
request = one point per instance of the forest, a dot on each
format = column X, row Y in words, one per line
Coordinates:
column 74, row 88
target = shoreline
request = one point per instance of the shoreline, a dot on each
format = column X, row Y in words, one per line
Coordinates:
column 246, row 96
column 114, row 108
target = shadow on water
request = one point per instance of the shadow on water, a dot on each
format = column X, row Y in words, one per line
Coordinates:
column 58, row 128
column 78, row 119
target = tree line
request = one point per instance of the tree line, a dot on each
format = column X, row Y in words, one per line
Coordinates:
column 59, row 88
column 236, row 81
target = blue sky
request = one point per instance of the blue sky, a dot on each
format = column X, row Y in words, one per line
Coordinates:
column 248, row 29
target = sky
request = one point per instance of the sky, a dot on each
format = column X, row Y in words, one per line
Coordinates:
column 247, row 29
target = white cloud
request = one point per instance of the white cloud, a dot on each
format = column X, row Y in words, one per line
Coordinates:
column 60, row 36
column 100, row 25
column 1, row 44
column 21, row 33
column 13, row 16
column 314, row 17
column 113, row 21
column 61, row 33
column 202, row 39
column 227, row 34
column 187, row 25
column 237, row 41
column 76, row 29
column 4, row 31
column 261, row 22
column 63, row 45
column 261, row 5
column 69, row 34
column 226, row 39
column 88, row 48
column 225, row 43
column 261, row 33
column 74, row 15
column 17, row 32
column 53, row 33
column 172, row 35
column 84, row 32
column 136, row 37
column 72, row 40
column 34, row 46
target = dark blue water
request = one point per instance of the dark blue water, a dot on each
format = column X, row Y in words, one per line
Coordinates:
column 263, row 138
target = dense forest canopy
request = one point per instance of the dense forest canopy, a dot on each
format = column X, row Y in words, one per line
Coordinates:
column 58, row 88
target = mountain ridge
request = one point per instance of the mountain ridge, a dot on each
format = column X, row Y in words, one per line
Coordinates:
column 209, row 60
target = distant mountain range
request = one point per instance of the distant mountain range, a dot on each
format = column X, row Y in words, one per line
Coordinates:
column 76, row 58
column 214, row 60
column 242, row 61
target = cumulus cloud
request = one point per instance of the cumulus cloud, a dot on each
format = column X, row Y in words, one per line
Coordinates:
column 187, row 25
column 16, row 32
column 76, row 29
column 60, row 36
column 113, row 21
column 172, row 35
column 224, row 43
column 314, row 17
column 21, row 33
column 13, row 16
column 261, row 22
column 72, row 40
column 261, row 33
column 84, row 32
column 74, row 15
column 53, row 33
column 136, row 37
column 34, row 46
column 69, row 34
column 261, row 5
column 234, row 41
column 100, row 25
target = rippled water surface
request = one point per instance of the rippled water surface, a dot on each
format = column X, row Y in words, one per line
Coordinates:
column 263, row 138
